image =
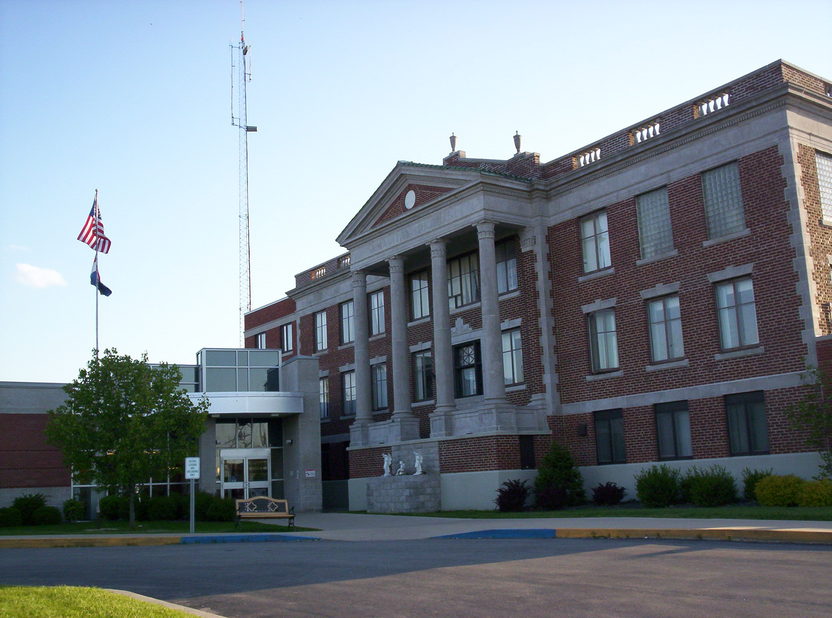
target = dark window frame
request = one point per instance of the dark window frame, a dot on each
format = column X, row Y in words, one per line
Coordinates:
column 746, row 405
column 462, row 367
column 610, row 423
column 672, row 410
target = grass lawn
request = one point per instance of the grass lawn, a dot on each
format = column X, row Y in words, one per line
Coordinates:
column 148, row 527
column 807, row 513
column 73, row 602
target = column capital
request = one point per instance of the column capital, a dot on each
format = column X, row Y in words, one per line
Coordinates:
column 359, row 278
column 438, row 248
column 485, row 229
column 396, row 264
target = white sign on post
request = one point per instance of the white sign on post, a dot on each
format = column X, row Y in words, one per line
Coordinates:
column 191, row 468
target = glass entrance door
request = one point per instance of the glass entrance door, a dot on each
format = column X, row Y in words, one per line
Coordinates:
column 245, row 473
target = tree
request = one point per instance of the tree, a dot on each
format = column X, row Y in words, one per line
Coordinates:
column 124, row 422
column 814, row 415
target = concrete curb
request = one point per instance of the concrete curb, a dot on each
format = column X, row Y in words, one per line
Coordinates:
column 822, row 537
column 181, row 608
column 146, row 540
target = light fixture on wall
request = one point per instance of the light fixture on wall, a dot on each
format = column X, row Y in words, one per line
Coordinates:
column 289, row 442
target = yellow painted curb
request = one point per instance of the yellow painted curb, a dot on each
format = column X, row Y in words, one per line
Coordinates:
column 110, row 541
column 712, row 534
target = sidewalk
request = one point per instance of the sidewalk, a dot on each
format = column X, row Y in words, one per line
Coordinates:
column 362, row 527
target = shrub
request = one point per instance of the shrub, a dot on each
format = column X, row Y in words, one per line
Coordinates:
column 202, row 501
column 46, row 516
column 750, row 478
column 222, row 509
column 73, row 510
column 113, row 507
column 10, row 516
column 27, row 504
column 815, row 493
column 777, row 490
column 162, row 508
column 713, row 486
column 551, row 498
column 512, row 496
column 608, row 494
column 558, row 469
column 658, row 486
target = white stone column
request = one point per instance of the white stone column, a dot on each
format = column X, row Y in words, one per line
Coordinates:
column 491, row 345
column 405, row 426
column 361, row 350
column 443, row 366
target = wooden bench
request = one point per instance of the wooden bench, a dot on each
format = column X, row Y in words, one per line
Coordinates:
column 262, row 507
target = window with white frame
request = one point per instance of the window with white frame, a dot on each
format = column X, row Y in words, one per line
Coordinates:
column 323, row 396
column 512, row 357
column 468, row 369
column 723, row 201
column 422, row 376
column 603, row 340
column 379, row 386
column 463, row 280
column 320, row 331
column 595, row 242
column 287, row 337
column 347, row 311
column 823, row 163
column 665, row 320
column 419, row 295
column 737, row 313
column 506, row 253
column 377, row 313
column 348, row 393
column 261, row 341
column 747, row 425
column 655, row 233
column 673, row 430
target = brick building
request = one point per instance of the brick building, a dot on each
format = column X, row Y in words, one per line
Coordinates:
column 653, row 296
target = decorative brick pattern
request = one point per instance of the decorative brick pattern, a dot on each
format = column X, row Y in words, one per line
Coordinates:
column 424, row 194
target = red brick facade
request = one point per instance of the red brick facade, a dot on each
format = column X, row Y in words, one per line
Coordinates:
column 26, row 460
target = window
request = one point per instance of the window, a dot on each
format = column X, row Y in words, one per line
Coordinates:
column 609, row 437
column 320, row 331
column 467, row 369
column 512, row 357
column 379, row 384
column 419, row 296
column 348, row 393
column 527, row 458
column 654, row 230
column 723, row 201
column 287, row 339
column 737, row 314
column 347, row 323
column 665, row 321
column 506, row 252
column 747, row 427
column 261, row 341
column 422, row 376
column 603, row 340
column 463, row 281
column 377, row 313
column 323, row 396
column 673, row 430
column 824, row 167
column 595, row 242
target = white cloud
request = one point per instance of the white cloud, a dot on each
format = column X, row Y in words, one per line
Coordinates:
column 36, row 277
column 18, row 248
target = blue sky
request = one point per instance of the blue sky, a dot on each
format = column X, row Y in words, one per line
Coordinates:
column 133, row 99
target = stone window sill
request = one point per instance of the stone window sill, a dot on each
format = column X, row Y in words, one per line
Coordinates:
column 740, row 353
column 728, row 237
column 682, row 362
column 604, row 376
column 597, row 274
column 657, row 258
column 513, row 388
column 346, row 346
column 420, row 404
column 419, row 321
column 475, row 305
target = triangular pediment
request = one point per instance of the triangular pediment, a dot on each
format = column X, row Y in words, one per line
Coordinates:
column 408, row 189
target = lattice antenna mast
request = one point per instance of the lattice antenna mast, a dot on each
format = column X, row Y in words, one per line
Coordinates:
column 241, row 75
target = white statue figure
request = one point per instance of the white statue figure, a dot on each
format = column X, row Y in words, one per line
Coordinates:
column 400, row 469
column 388, row 461
column 418, row 464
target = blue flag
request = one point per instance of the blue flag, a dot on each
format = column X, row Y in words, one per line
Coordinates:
column 95, row 279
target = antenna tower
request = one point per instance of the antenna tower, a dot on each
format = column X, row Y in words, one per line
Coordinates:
column 240, row 74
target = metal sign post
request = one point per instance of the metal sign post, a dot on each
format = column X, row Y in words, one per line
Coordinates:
column 192, row 474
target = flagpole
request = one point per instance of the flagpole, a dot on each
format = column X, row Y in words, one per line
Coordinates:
column 97, row 276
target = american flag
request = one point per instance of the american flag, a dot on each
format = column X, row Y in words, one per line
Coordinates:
column 92, row 233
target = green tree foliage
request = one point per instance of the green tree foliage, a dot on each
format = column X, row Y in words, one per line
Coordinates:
column 814, row 414
column 124, row 422
column 558, row 473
